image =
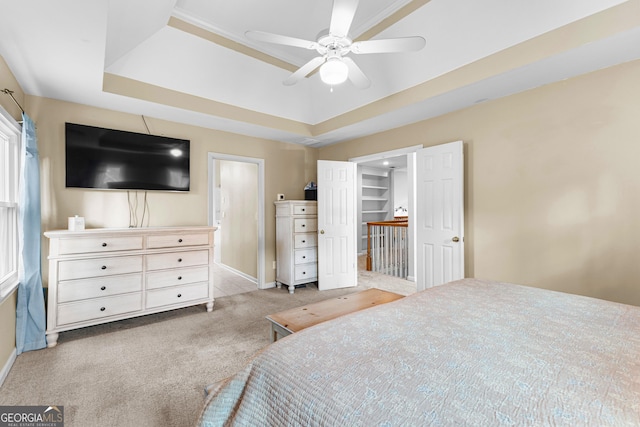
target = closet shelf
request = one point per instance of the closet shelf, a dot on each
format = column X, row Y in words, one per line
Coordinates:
column 375, row 198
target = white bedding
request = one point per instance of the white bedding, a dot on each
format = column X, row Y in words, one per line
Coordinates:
column 467, row 353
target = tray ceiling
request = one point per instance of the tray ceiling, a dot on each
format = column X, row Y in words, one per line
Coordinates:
column 189, row 61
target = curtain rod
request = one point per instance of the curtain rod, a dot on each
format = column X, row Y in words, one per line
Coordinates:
column 10, row 93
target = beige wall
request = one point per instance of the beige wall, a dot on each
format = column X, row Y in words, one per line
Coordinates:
column 8, row 307
column 287, row 168
column 8, row 81
column 552, row 182
column 239, row 214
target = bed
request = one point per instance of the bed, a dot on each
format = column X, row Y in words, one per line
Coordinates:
column 470, row 352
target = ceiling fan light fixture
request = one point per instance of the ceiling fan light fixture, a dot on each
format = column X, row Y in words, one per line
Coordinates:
column 334, row 71
column 334, row 44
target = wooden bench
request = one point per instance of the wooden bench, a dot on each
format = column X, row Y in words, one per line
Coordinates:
column 296, row 319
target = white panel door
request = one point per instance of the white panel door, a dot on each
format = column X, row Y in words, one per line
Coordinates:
column 440, row 215
column 337, row 242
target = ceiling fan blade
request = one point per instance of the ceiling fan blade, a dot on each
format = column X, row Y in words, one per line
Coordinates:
column 342, row 16
column 356, row 75
column 301, row 72
column 261, row 36
column 402, row 44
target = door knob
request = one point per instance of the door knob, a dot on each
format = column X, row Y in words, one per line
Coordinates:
column 455, row 239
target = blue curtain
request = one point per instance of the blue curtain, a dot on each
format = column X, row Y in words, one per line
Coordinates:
column 30, row 314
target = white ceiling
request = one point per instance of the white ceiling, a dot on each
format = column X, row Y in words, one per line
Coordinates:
column 200, row 69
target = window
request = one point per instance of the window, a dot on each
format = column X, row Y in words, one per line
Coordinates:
column 9, row 177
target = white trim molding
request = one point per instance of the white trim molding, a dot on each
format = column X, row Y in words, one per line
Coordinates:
column 10, row 135
column 386, row 154
column 7, row 366
column 261, row 208
column 238, row 273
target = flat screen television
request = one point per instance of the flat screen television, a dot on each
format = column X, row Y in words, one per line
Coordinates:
column 117, row 160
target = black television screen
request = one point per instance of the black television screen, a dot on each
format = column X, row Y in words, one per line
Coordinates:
column 118, row 160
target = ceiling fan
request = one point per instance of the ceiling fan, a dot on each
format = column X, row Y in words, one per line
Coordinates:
column 334, row 45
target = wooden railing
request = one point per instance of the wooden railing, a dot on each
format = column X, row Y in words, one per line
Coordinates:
column 388, row 247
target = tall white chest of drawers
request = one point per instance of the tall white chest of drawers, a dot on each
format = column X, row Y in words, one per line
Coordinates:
column 102, row 275
column 296, row 243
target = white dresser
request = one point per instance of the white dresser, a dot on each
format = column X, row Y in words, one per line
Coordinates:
column 102, row 275
column 296, row 243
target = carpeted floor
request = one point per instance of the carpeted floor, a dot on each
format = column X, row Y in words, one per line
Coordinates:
column 152, row 370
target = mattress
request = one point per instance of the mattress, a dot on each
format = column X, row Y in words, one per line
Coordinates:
column 470, row 352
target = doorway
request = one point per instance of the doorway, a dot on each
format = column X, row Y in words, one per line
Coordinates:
column 236, row 207
column 399, row 165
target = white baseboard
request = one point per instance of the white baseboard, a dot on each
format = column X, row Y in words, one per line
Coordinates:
column 411, row 278
column 238, row 272
column 269, row 285
column 7, row 366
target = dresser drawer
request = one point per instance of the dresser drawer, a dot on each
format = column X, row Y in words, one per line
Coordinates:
column 180, row 276
column 306, row 271
column 177, row 240
column 97, row 308
column 177, row 259
column 73, row 290
column 303, row 256
column 305, row 225
column 305, row 240
column 98, row 267
column 305, row 210
column 177, row 295
column 83, row 245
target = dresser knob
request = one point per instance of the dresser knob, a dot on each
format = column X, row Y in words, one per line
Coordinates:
column 102, row 308
column 179, row 295
column 304, row 225
column 179, row 259
column 104, row 267
column 179, row 277
column 104, row 245
column 304, row 272
column 102, row 288
column 304, row 257
column 304, row 241
column 179, row 240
